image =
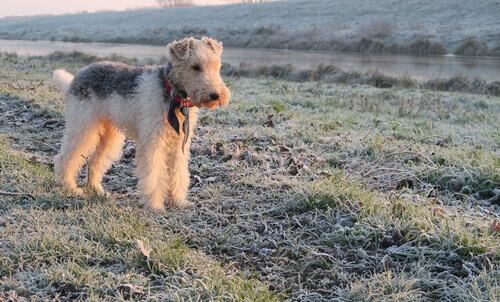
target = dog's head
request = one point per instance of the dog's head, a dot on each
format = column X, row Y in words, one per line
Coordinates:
column 196, row 69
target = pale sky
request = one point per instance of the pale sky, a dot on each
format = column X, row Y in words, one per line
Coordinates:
column 57, row 7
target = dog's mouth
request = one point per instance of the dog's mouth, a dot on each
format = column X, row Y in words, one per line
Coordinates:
column 211, row 104
column 210, row 101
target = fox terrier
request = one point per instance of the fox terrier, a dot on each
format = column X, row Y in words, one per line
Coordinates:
column 155, row 106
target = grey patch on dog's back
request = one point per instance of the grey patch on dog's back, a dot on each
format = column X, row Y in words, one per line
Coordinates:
column 103, row 79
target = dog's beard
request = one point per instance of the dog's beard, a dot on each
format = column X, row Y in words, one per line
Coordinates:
column 212, row 104
column 201, row 99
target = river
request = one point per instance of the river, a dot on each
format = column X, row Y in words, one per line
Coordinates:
column 418, row 67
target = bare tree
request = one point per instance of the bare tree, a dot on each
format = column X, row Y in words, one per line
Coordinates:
column 174, row 3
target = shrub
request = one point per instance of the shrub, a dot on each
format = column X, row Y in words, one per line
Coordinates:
column 495, row 51
column 75, row 56
column 266, row 30
column 471, row 47
column 425, row 47
column 326, row 69
column 377, row 29
column 280, row 71
column 406, row 82
column 194, row 31
column 77, row 39
column 379, row 80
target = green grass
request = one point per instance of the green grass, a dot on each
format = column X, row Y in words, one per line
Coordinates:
column 354, row 194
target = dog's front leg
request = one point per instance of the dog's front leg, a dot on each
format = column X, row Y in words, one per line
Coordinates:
column 151, row 160
column 179, row 180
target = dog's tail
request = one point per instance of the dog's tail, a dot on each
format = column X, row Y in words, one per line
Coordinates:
column 62, row 79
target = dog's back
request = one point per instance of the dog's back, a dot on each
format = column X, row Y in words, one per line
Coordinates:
column 103, row 79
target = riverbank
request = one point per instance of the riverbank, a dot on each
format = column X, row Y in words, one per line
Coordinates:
column 386, row 26
column 331, row 74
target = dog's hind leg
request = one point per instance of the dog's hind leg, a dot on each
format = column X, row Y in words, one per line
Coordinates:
column 109, row 149
column 80, row 139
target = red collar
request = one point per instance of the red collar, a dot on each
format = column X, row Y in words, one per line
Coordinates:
column 182, row 102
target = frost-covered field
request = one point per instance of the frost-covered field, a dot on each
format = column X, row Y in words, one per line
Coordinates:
column 357, row 25
column 303, row 192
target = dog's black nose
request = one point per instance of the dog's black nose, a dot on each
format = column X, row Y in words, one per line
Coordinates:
column 214, row 96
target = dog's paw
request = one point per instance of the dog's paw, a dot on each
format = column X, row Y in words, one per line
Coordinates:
column 181, row 204
column 157, row 208
column 99, row 190
column 77, row 192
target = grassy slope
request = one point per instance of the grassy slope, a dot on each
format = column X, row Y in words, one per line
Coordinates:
column 298, row 24
column 336, row 201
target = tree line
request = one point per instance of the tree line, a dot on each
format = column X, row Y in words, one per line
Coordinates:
column 181, row 3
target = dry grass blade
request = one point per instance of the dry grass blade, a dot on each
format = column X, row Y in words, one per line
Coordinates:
column 391, row 182
column 16, row 194
column 379, row 180
column 373, row 125
column 495, row 227
column 40, row 142
column 335, row 144
column 375, row 164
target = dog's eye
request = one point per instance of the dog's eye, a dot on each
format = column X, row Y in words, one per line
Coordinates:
column 197, row 67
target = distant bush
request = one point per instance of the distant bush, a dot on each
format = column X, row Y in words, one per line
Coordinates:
column 425, row 47
column 365, row 45
column 7, row 36
column 77, row 39
column 377, row 79
column 8, row 54
column 463, row 84
column 80, row 57
column 471, row 47
column 194, row 31
column 496, row 50
column 75, row 56
column 377, row 29
column 266, row 30
column 373, row 45
column 174, row 3
column 406, row 81
column 281, row 71
column 326, row 69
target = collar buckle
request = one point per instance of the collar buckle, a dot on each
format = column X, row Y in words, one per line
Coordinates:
column 182, row 99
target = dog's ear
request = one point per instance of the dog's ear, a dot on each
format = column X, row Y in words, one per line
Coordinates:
column 181, row 50
column 213, row 44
